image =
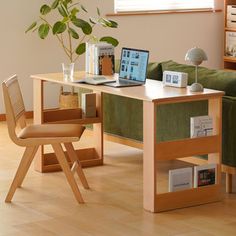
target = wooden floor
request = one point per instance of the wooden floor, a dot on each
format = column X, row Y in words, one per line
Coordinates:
column 45, row 205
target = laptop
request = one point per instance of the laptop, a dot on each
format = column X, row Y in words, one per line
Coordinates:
column 133, row 68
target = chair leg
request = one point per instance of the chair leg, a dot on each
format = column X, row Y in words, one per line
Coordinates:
column 21, row 171
column 66, row 168
column 77, row 166
column 27, row 166
column 228, row 183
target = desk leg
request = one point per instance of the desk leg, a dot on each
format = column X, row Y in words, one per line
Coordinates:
column 98, row 128
column 215, row 111
column 149, row 150
column 38, row 119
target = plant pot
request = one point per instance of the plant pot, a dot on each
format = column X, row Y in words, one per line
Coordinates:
column 68, row 100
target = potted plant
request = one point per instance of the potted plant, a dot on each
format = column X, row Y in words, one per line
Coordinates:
column 71, row 31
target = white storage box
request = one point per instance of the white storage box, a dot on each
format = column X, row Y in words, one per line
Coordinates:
column 231, row 24
column 231, row 9
column 231, row 17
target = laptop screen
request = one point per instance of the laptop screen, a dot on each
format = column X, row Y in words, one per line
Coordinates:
column 133, row 64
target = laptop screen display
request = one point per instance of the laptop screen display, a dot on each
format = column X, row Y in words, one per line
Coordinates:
column 133, row 64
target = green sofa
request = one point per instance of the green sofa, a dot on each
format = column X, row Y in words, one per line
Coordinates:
column 123, row 116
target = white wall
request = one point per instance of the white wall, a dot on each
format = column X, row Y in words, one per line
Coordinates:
column 167, row 36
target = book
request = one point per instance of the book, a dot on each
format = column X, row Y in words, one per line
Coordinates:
column 99, row 58
column 180, row 179
column 204, row 175
column 104, row 59
column 230, row 45
column 201, row 126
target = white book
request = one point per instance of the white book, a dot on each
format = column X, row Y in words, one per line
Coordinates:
column 230, row 46
column 87, row 58
column 201, row 126
column 180, row 179
column 205, row 175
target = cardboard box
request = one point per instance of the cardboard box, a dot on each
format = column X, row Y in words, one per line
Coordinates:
column 88, row 105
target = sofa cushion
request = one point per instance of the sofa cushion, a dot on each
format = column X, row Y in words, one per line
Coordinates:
column 209, row 78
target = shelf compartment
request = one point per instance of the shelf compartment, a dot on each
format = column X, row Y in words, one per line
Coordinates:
column 230, row 29
column 67, row 116
column 87, row 156
column 230, row 59
column 187, row 147
column 188, row 197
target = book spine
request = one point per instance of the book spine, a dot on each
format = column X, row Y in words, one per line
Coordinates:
column 96, row 66
column 87, row 58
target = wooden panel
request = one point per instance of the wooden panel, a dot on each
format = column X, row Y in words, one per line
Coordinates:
column 152, row 91
column 228, row 169
column 28, row 115
column 124, row 141
column 187, row 147
column 51, row 115
column 87, row 157
column 186, row 198
column 149, row 150
column 38, row 119
column 215, row 111
column 98, row 127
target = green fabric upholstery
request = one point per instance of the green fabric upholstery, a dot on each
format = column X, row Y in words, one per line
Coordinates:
column 229, row 131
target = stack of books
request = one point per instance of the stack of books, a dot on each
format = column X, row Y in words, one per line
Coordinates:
column 100, row 58
column 182, row 178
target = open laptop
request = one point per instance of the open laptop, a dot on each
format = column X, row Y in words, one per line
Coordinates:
column 133, row 68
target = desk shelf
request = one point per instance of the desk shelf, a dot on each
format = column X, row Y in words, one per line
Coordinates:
column 47, row 162
column 67, row 116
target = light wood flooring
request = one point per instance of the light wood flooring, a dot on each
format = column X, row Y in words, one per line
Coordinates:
column 46, row 206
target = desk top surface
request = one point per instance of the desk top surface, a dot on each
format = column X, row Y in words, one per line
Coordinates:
column 153, row 90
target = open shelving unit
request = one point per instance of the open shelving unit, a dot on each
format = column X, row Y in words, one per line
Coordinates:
column 229, row 61
column 91, row 156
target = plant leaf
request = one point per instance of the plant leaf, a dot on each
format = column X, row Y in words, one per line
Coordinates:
column 74, row 11
column 55, row 4
column 110, row 40
column 43, row 31
column 62, row 10
column 108, row 23
column 84, row 25
column 80, row 49
column 32, row 26
column 114, row 24
column 45, row 9
column 93, row 20
column 73, row 33
column 98, row 11
column 104, row 22
column 83, row 8
column 59, row 27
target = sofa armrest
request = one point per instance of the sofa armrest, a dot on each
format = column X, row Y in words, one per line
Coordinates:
column 229, row 131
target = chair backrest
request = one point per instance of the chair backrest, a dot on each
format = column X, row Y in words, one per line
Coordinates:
column 15, row 109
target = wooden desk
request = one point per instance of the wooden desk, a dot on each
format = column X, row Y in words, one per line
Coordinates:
column 153, row 94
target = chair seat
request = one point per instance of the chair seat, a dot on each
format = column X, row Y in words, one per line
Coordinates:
column 51, row 131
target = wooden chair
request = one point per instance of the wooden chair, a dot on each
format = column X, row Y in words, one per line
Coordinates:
column 32, row 136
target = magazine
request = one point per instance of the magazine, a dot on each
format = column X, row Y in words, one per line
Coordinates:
column 205, row 175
